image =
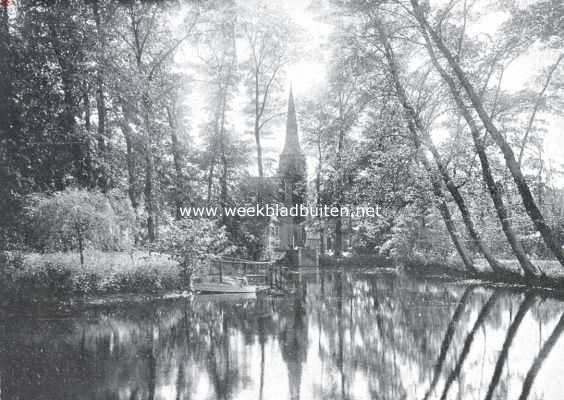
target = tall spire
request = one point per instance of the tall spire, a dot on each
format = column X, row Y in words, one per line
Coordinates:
column 292, row 143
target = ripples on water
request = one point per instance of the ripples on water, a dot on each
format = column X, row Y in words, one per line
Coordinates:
column 342, row 336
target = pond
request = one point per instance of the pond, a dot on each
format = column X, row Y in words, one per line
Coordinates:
column 340, row 336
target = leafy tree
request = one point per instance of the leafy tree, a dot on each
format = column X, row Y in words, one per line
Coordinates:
column 491, row 127
column 267, row 36
column 75, row 219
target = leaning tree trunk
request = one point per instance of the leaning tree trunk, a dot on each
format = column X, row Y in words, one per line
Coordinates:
column 529, row 202
column 458, row 199
column 422, row 137
column 449, row 224
column 526, row 265
column 536, row 108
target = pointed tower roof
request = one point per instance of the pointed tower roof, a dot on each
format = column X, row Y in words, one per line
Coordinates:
column 292, row 143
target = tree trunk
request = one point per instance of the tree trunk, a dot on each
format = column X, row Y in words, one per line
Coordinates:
column 149, row 170
column 526, row 265
column 130, row 158
column 80, row 245
column 465, row 212
column 86, row 103
column 210, row 176
column 447, row 218
column 212, row 154
column 100, row 102
column 87, row 127
column 529, row 203
column 7, row 112
column 338, row 236
column 339, row 195
column 223, row 157
column 536, row 107
column 223, row 183
column 67, row 121
column 149, row 161
column 318, row 193
column 131, row 179
column 414, row 125
column 257, row 141
column 177, row 160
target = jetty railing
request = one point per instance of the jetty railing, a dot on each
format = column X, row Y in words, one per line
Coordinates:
column 266, row 273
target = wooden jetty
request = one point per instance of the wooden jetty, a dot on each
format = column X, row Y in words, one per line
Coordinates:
column 234, row 275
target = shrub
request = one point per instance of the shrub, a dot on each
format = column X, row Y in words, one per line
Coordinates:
column 10, row 265
column 191, row 242
column 23, row 285
column 53, row 278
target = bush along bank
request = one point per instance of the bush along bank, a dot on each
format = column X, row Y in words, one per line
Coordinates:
column 26, row 282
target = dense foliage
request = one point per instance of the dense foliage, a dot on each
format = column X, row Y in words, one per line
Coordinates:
column 77, row 219
column 192, row 243
column 105, row 130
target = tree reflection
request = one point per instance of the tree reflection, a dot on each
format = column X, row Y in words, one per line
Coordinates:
column 468, row 342
column 541, row 358
column 511, row 332
column 224, row 373
column 381, row 336
column 449, row 334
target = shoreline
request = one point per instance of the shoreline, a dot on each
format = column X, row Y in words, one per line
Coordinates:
column 32, row 284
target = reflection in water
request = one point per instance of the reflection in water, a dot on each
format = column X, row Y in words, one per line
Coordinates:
column 468, row 341
column 445, row 345
column 340, row 336
column 545, row 351
column 511, row 332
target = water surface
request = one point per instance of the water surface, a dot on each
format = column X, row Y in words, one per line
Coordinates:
column 341, row 336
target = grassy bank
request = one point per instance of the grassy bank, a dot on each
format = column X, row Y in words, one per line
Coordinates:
column 35, row 278
column 549, row 268
column 552, row 273
column 452, row 268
